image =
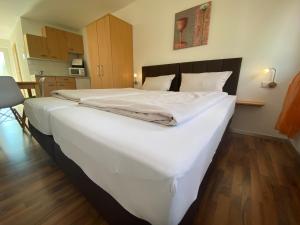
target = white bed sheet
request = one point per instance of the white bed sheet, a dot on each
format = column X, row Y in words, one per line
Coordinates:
column 153, row 171
column 38, row 111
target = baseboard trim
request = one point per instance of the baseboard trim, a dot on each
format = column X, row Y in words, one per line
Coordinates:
column 265, row 136
column 260, row 135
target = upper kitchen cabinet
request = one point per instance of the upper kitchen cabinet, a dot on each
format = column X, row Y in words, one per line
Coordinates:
column 74, row 43
column 36, row 46
column 54, row 44
column 62, row 43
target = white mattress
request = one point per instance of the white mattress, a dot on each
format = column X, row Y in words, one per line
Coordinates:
column 153, row 171
column 38, row 111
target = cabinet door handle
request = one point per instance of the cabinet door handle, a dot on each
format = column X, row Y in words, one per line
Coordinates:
column 102, row 71
column 98, row 71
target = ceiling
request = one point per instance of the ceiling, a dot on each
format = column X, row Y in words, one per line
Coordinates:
column 73, row 14
column 9, row 12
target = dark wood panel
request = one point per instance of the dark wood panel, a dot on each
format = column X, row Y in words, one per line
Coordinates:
column 218, row 65
column 252, row 181
column 166, row 69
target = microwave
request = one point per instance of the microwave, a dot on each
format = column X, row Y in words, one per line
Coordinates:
column 76, row 71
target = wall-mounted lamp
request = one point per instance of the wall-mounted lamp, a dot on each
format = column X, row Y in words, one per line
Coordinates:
column 135, row 82
column 271, row 84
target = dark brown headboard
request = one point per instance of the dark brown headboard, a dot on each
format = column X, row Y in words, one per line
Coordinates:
column 233, row 64
column 166, row 69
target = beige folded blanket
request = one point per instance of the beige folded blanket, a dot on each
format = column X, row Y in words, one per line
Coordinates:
column 81, row 94
column 167, row 108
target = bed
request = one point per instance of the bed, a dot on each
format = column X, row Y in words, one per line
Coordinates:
column 169, row 194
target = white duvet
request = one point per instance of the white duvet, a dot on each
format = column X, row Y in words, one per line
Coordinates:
column 167, row 108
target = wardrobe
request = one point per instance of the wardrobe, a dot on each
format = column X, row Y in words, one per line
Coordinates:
column 110, row 51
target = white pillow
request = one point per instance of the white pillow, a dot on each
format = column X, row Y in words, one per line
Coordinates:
column 211, row 81
column 160, row 83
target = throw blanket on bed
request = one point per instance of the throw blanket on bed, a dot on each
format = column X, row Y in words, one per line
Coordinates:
column 81, row 94
column 166, row 108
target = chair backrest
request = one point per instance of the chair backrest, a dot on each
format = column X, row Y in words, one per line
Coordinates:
column 10, row 94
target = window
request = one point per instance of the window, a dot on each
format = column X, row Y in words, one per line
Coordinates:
column 4, row 63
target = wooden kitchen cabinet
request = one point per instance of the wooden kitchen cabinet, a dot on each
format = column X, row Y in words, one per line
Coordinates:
column 54, row 44
column 74, row 43
column 110, row 53
column 66, row 82
column 61, row 79
column 94, row 55
column 51, row 83
column 121, row 52
column 36, row 46
column 104, row 57
column 51, row 36
column 62, row 43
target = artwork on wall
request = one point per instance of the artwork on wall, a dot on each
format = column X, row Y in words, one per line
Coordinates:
column 192, row 26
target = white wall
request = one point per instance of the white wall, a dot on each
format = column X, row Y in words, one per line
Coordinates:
column 265, row 33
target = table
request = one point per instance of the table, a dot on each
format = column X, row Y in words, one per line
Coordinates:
column 27, row 85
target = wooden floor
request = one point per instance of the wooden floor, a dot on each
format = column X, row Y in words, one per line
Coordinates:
column 252, row 181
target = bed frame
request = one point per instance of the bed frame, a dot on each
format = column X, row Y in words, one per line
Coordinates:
column 218, row 65
column 107, row 206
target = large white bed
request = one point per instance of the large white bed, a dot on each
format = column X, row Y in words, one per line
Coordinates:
column 153, row 171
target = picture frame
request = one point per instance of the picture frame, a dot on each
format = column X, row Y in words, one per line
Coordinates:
column 192, row 26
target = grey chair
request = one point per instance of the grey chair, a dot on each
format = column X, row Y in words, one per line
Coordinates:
column 10, row 96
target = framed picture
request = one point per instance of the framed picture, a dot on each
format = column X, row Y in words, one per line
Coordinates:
column 192, row 26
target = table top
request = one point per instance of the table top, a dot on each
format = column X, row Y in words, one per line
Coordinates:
column 27, row 82
column 75, row 76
